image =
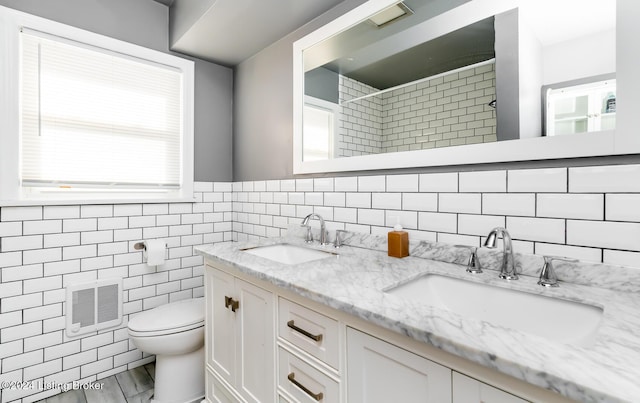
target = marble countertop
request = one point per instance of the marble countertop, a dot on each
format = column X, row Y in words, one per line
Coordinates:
column 606, row 370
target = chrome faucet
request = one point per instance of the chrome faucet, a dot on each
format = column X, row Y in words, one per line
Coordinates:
column 508, row 270
column 323, row 230
column 339, row 240
column 473, row 265
column 548, row 277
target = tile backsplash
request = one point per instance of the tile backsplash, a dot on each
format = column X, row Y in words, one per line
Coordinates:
column 589, row 213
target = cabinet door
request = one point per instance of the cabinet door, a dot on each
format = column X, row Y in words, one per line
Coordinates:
column 255, row 321
column 379, row 372
column 220, row 343
column 469, row 390
column 217, row 392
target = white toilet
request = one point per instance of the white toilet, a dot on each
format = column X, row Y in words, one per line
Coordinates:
column 175, row 334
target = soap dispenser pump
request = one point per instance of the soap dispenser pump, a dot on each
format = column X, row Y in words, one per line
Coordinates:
column 398, row 241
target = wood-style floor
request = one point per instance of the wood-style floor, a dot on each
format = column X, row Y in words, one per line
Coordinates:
column 133, row 386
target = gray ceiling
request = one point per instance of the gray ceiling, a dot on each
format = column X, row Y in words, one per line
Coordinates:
column 230, row 31
column 463, row 47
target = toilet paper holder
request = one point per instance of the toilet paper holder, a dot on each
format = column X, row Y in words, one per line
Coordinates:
column 154, row 251
column 141, row 246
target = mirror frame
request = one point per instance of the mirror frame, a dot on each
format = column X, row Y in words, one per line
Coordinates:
column 619, row 142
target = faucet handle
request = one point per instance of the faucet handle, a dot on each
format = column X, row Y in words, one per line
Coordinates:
column 324, row 235
column 309, row 236
column 548, row 276
column 338, row 242
column 473, row 266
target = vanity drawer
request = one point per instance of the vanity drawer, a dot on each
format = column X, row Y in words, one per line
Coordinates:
column 309, row 330
column 303, row 382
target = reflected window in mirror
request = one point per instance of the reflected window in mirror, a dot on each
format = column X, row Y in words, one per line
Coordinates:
column 580, row 108
column 320, row 128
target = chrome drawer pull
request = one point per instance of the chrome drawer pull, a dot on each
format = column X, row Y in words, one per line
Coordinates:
column 316, row 337
column 317, row 396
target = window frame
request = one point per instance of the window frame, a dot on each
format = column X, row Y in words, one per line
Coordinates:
column 332, row 109
column 584, row 85
column 11, row 190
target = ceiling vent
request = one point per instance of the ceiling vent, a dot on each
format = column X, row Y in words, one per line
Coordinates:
column 391, row 14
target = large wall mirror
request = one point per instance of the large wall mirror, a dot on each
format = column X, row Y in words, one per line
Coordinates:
column 442, row 82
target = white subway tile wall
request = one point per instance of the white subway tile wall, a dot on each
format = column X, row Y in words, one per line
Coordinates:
column 554, row 211
column 445, row 111
column 360, row 122
column 44, row 248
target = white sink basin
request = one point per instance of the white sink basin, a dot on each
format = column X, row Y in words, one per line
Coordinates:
column 556, row 319
column 288, row 254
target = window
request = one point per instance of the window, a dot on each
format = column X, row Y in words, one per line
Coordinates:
column 96, row 118
column 580, row 108
column 320, row 129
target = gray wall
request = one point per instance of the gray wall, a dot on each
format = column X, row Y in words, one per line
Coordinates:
column 263, row 106
column 146, row 23
column 322, row 83
column 213, row 147
column 507, row 94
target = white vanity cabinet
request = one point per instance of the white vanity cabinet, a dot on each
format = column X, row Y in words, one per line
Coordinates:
column 469, row 390
column 268, row 344
column 379, row 372
column 240, row 339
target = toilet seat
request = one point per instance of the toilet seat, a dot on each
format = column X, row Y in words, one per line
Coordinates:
column 175, row 317
column 166, row 331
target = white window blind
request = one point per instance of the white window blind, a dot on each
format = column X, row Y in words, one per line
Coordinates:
column 97, row 119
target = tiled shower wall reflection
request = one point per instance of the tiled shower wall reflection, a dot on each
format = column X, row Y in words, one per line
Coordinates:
column 444, row 111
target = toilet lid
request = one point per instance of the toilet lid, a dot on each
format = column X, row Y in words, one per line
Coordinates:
column 181, row 314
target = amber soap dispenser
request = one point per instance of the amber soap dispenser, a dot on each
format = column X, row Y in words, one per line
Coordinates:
column 398, row 242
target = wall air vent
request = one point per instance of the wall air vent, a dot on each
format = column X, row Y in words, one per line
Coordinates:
column 93, row 306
